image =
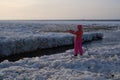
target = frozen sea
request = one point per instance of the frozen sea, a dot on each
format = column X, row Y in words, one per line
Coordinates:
column 101, row 61
column 18, row 37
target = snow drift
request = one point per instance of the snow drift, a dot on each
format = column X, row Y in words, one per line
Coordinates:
column 93, row 65
column 16, row 43
column 100, row 61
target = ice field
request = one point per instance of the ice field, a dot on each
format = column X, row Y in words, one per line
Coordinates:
column 100, row 61
column 20, row 38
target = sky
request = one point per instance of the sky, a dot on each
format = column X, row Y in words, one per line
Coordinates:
column 59, row 9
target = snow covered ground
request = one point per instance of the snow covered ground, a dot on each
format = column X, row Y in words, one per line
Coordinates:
column 20, row 38
column 101, row 61
column 53, row 27
column 17, row 43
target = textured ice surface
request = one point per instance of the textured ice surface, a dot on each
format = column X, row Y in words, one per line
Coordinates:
column 18, row 38
column 97, row 63
column 16, row 43
column 101, row 61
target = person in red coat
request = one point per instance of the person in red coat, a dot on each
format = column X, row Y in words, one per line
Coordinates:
column 78, row 40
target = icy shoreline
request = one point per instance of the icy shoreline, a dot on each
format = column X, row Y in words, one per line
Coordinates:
column 17, row 43
column 100, row 63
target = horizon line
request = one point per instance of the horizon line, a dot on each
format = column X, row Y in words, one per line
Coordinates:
column 60, row 20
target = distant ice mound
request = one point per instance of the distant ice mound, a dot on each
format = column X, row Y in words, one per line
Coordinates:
column 19, row 43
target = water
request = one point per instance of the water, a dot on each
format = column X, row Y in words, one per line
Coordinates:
column 39, row 52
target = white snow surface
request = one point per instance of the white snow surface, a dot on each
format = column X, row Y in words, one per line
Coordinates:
column 101, row 61
column 20, row 38
column 17, row 43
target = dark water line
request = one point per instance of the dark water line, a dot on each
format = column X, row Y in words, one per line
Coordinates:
column 38, row 52
column 41, row 52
